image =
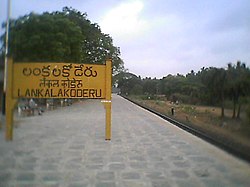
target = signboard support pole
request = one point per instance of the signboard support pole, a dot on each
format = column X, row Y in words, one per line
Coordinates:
column 107, row 103
column 10, row 102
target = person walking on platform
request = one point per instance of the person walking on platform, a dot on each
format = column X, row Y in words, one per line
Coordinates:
column 33, row 106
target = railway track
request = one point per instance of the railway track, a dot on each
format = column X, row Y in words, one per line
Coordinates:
column 225, row 145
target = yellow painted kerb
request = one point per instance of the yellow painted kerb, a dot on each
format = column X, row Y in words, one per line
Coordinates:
column 107, row 102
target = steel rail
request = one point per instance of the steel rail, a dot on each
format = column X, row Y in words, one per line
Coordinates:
column 228, row 147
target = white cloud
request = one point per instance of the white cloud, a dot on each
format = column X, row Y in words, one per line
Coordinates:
column 158, row 37
column 124, row 21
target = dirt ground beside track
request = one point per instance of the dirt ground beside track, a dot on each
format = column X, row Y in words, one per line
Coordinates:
column 206, row 119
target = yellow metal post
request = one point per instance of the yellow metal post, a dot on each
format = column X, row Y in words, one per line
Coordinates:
column 10, row 102
column 107, row 101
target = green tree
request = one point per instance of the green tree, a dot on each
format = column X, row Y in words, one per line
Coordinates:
column 44, row 37
column 173, row 84
column 214, row 80
column 238, row 84
column 129, row 83
column 149, row 86
column 137, row 89
column 66, row 36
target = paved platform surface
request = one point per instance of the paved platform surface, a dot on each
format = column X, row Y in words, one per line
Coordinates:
column 66, row 147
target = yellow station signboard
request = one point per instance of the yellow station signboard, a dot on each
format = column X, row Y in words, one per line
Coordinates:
column 58, row 80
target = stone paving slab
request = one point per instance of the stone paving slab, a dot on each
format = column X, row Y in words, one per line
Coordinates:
column 66, row 148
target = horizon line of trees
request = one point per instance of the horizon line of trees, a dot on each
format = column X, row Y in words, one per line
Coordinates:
column 209, row 86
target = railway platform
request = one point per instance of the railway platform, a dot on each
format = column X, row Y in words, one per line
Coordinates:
column 66, row 147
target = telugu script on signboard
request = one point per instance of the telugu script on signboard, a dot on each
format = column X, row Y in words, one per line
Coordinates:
column 58, row 80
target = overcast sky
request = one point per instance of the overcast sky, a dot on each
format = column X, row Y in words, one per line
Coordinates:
column 161, row 37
